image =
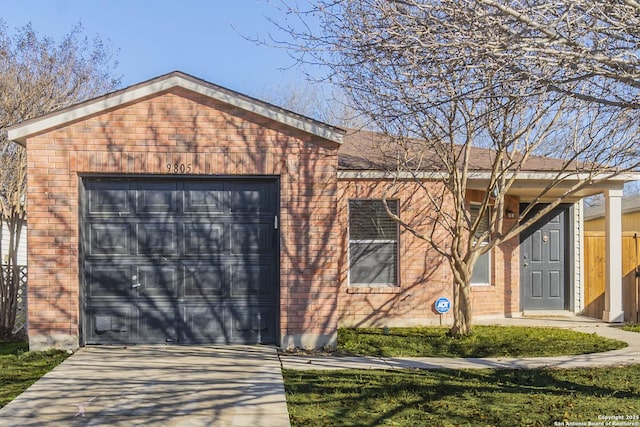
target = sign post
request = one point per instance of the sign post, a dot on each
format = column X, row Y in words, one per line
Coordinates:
column 442, row 305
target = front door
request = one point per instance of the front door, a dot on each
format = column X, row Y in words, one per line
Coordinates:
column 544, row 263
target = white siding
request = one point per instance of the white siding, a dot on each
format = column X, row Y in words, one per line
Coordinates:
column 22, row 247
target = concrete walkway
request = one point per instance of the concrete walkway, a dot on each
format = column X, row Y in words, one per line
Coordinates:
column 625, row 356
column 157, row 386
column 231, row 385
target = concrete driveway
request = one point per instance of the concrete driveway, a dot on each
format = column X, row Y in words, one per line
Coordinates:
column 157, row 386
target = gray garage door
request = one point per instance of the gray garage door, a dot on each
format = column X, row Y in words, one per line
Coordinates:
column 179, row 260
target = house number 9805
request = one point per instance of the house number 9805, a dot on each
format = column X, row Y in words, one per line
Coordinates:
column 179, row 167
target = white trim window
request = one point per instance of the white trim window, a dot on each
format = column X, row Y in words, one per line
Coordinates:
column 481, row 274
column 373, row 243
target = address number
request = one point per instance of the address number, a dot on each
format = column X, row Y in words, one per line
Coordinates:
column 179, row 167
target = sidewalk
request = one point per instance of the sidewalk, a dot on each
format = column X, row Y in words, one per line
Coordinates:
column 626, row 356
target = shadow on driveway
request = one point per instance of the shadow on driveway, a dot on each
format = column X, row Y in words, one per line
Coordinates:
column 157, row 385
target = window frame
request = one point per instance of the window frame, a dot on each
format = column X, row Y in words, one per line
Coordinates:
column 488, row 256
column 396, row 283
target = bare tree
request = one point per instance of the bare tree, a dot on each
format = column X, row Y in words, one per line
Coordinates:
column 37, row 76
column 477, row 91
column 318, row 101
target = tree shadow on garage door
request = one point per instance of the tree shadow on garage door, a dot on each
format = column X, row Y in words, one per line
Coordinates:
column 232, row 239
column 180, row 260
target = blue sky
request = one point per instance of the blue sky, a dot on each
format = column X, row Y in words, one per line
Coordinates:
column 155, row 37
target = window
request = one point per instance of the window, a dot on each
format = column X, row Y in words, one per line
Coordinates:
column 373, row 243
column 481, row 274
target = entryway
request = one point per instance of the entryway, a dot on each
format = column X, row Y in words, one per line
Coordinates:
column 545, row 254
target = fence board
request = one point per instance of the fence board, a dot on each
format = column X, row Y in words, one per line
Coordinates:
column 594, row 248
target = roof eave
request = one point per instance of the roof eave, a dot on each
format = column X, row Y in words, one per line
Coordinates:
column 22, row 131
column 482, row 175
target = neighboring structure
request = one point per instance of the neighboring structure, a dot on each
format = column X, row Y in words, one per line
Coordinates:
column 594, row 216
column 595, row 252
column 179, row 211
column 22, row 245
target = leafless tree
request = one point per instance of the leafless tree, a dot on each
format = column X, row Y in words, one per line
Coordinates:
column 318, row 101
column 475, row 91
column 37, row 76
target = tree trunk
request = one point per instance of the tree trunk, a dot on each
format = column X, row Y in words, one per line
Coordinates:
column 461, row 304
column 10, row 280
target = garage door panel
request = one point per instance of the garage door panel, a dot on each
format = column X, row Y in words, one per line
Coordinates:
column 252, row 280
column 111, row 324
column 157, row 322
column 158, row 281
column 109, row 239
column 203, row 239
column 251, row 197
column 251, row 324
column 106, row 197
column 108, row 281
column 252, row 238
column 205, row 281
column 157, row 197
column 204, row 323
column 157, row 238
column 204, row 197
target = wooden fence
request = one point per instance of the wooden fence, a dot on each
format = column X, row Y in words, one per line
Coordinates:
column 594, row 269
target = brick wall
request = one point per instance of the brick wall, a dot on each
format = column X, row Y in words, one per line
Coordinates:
column 424, row 274
column 215, row 139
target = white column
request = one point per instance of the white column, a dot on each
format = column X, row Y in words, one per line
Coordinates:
column 613, row 267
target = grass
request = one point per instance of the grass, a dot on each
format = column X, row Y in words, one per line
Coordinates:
column 632, row 328
column 461, row 398
column 485, row 341
column 19, row 368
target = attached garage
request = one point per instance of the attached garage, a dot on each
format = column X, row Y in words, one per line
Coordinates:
column 178, row 211
column 180, row 260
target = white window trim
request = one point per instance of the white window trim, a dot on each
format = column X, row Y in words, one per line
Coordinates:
column 488, row 254
column 490, row 260
column 349, row 241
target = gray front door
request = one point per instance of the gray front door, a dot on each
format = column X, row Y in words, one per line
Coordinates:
column 544, row 263
column 180, row 260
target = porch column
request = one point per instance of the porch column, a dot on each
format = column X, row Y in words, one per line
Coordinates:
column 613, row 246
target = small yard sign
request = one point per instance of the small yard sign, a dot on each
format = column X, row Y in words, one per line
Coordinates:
column 443, row 305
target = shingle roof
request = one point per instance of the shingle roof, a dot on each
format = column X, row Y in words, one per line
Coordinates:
column 371, row 151
column 629, row 204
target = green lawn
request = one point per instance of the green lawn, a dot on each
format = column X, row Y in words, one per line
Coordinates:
column 460, row 398
column 20, row 368
column 485, row 341
column 632, row 328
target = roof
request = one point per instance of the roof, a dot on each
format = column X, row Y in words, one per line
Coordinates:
column 629, row 204
column 22, row 131
column 372, row 151
column 371, row 155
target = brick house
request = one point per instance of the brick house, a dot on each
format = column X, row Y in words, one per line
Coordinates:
column 179, row 211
